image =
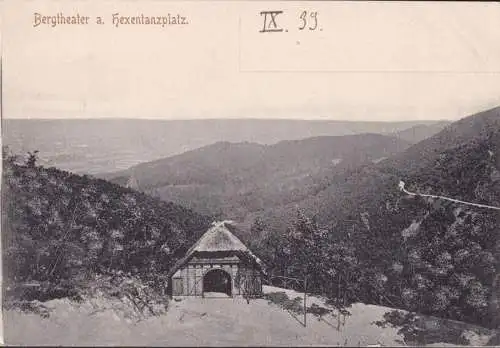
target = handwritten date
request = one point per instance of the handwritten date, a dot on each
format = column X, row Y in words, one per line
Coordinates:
column 307, row 20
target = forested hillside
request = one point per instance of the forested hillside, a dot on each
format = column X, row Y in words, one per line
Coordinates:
column 363, row 239
column 233, row 179
column 60, row 229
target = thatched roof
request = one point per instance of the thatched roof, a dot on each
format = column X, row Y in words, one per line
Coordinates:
column 218, row 238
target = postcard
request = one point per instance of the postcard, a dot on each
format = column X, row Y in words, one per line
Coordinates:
column 250, row 173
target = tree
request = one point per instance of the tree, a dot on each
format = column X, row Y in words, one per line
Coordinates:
column 32, row 159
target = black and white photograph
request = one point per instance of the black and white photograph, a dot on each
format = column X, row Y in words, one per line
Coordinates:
column 250, row 173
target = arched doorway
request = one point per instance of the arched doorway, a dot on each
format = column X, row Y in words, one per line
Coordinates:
column 217, row 280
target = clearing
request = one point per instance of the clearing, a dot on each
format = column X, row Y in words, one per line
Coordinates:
column 204, row 321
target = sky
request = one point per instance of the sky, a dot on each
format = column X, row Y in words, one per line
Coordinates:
column 382, row 61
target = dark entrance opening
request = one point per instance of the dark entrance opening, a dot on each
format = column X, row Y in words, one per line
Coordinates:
column 217, row 280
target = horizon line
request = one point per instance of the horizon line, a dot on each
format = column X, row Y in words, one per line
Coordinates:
column 221, row 119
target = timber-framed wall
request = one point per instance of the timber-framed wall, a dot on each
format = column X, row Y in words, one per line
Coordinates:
column 245, row 278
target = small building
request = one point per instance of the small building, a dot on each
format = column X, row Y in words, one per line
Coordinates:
column 217, row 263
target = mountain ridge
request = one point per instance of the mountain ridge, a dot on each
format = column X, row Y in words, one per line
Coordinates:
column 105, row 145
column 248, row 176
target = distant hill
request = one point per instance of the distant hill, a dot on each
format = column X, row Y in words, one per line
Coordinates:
column 61, row 229
column 420, row 132
column 434, row 256
column 99, row 145
column 233, row 179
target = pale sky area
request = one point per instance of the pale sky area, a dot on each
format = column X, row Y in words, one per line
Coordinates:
column 364, row 61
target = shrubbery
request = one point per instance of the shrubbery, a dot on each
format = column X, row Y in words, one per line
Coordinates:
column 60, row 230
